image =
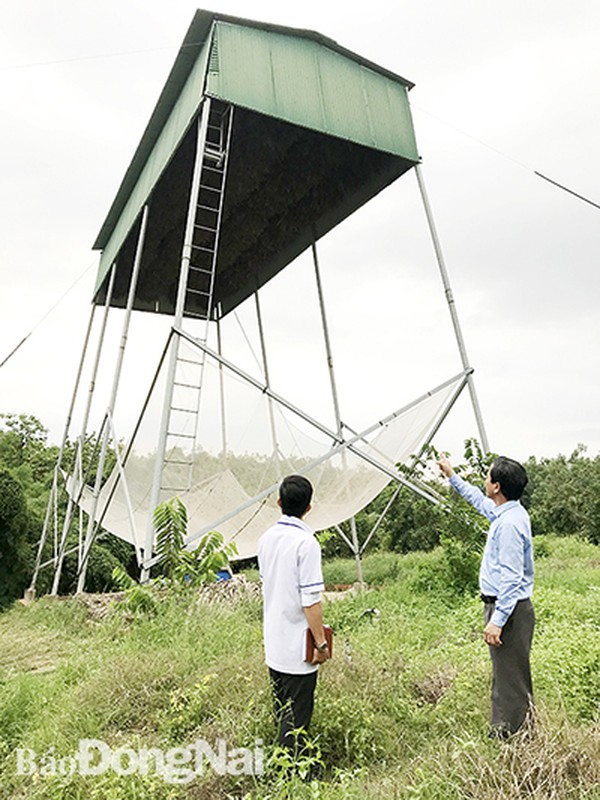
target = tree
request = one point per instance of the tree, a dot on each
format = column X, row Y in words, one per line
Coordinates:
column 28, row 459
column 563, row 495
column 15, row 544
column 24, row 443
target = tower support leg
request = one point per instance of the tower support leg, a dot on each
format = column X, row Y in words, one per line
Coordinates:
column 336, row 405
column 30, row 593
column 92, row 527
column 77, row 463
column 452, row 308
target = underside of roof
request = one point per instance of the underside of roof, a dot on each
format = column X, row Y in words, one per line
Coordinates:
column 317, row 131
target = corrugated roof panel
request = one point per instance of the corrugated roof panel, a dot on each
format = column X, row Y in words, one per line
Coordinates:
column 301, row 81
column 295, row 79
column 242, row 70
column 343, row 99
column 389, row 112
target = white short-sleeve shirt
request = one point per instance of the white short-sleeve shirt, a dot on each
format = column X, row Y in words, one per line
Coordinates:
column 289, row 561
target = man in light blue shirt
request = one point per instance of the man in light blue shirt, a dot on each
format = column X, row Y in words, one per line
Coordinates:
column 506, row 584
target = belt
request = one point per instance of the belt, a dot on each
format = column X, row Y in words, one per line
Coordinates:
column 488, row 598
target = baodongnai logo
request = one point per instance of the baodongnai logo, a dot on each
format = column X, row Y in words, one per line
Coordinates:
column 176, row 765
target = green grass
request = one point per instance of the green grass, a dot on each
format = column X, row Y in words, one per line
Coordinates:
column 401, row 712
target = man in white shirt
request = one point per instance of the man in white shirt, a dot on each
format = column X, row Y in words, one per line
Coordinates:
column 289, row 560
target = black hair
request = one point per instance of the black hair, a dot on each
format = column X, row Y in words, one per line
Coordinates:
column 295, row 494
column 510, row 475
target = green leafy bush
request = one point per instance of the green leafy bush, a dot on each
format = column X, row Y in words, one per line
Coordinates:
column 182, row 567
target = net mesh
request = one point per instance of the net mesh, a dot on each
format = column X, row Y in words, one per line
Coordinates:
column 226, row 461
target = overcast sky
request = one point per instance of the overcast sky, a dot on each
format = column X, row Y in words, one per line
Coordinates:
column 501, row 90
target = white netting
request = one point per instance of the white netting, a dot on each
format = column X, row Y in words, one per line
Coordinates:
column 237, row 457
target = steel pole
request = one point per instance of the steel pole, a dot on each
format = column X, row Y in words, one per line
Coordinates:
column 51, row 502
column 452, row 307
column 81, row 437
column 334, row 396
column 222, row 394
column 77, row 464
column 265, row 366
column 90, row 532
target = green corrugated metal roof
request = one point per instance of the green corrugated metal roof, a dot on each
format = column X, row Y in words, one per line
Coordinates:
column 293, row 77
column 193, row 46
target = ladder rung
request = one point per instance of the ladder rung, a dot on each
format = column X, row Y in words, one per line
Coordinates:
column 204, row 249
column 181, row 435
column 186, row 385
column 179, row 462
column 210, row 188
column 201, row 269
column 207, row 208
column 204, row 228
column 196, row 314
column 191, row 361
column 213, row 169
column 198, row 291
column 186, row 410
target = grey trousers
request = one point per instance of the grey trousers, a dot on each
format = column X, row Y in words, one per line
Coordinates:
column 512, row 691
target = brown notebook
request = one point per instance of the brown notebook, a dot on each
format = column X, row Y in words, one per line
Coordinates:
column 311, row 644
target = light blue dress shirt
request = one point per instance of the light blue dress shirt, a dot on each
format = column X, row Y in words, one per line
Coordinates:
column 507, row 564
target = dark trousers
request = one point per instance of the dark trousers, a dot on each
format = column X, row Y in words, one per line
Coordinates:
column 294, row 703
column 512, row 691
